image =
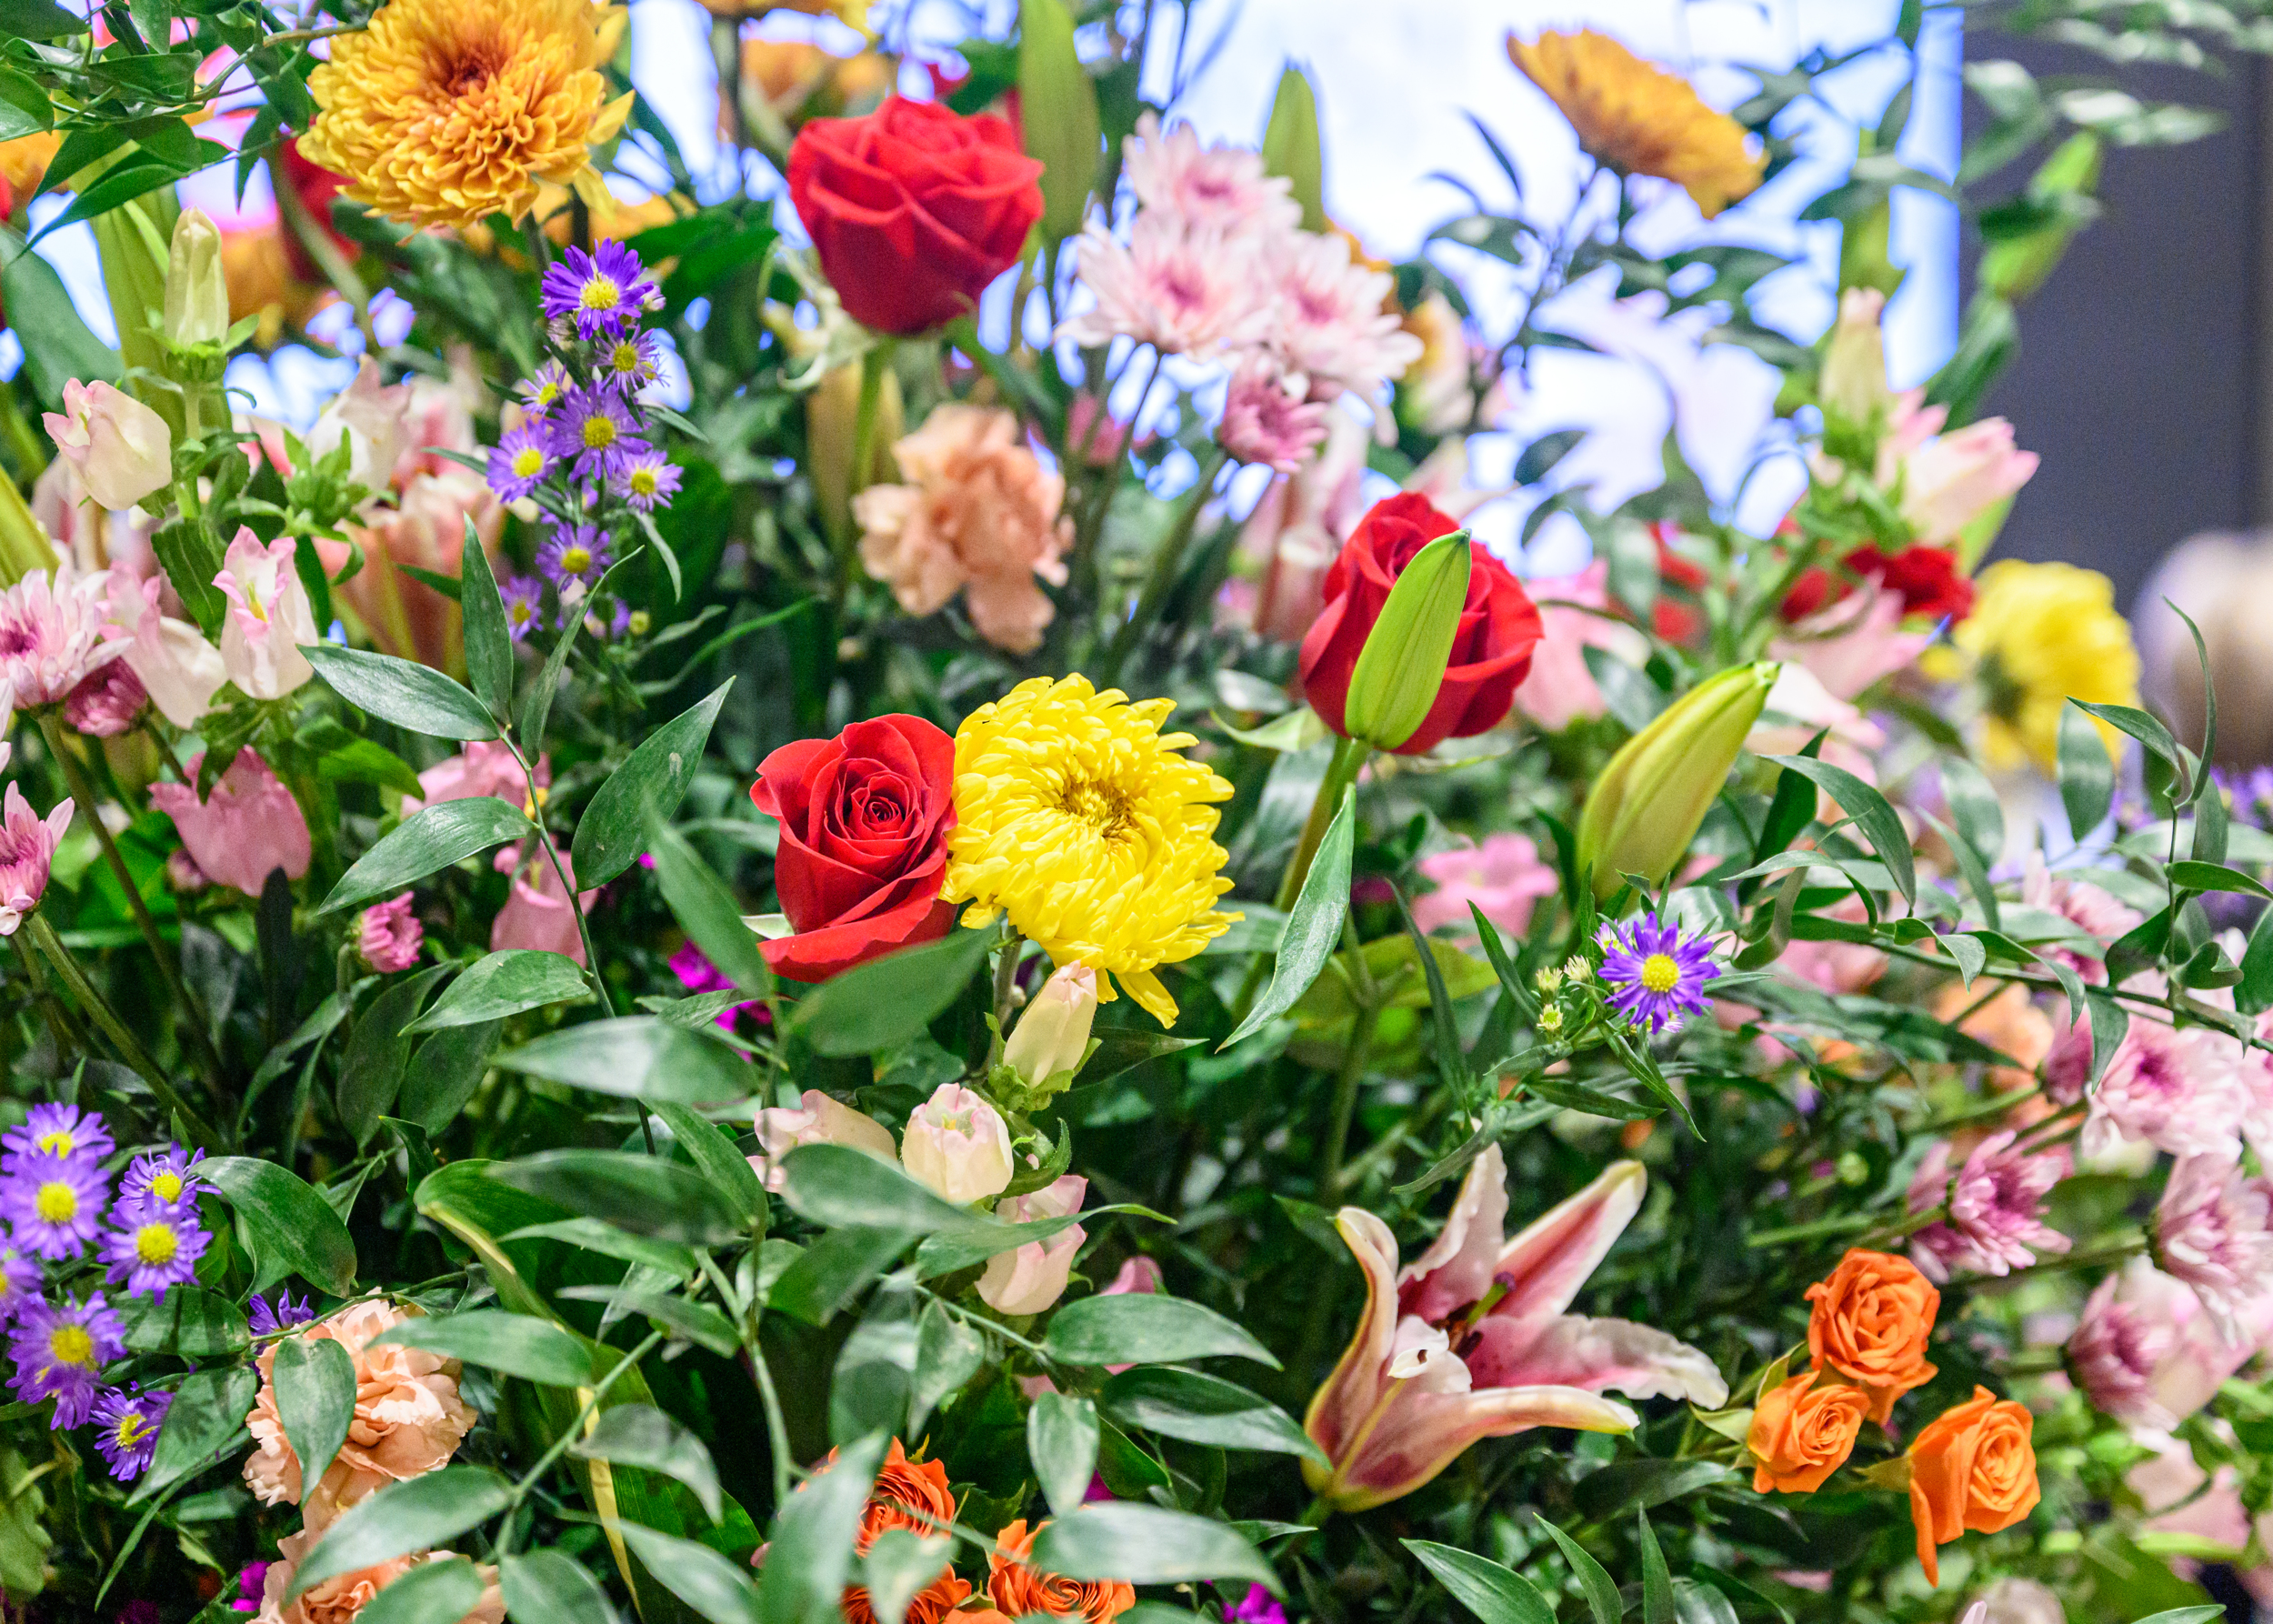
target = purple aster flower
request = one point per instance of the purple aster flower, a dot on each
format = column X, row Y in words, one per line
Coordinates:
column 520, row 461
column 57, row 1130
column 168, row 1178
column 20, row 1279
column 574, row 553
column 648, row 481
column 1655, row 978
column 60, row 1350
column 525, row 605
column 595, row 427
column 611, row 629
column 602, row 293
column 54, row 1204
column 547, row 388
column 627, row 362
column 151, row 1246
column 130, row 1421
column 268, row 1318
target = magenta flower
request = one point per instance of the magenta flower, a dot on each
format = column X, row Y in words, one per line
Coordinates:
column 2147, row 1353
column 692, row 966
column 27, row 848
column 55, row 632
column 151, row 1246
column 56, row 1130
column 251, row 1579
column 2214, row 1230
column 107, row 702
column 130, row 1421
column 167, row 1177
column 603, row 292
column 1408, row 1397
column 53, row 1203
column 250, row 828
column 388, row 934
column 1258, row 1606
column 1996, row 1200
column 1264, row 421
column 1504, row 878
column 1656, row 976
column 60, row 1350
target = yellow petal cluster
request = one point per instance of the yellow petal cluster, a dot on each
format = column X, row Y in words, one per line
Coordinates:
column 1641, row 120
column 444, row 112
column 2039, row 633
column 1079, row 819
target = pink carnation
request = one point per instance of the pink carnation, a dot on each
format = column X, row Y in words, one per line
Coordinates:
column 2214, row 1230
column 1995, row 1222
column 250, row 828
column 1504, row 878
column 106, row 702
column 53, row 633
column 1218, row 188
column 27, row 849
column 388, row 934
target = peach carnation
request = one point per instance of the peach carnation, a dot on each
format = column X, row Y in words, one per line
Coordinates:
column 978, row 514
column 339, row 1600
column 408, row 1419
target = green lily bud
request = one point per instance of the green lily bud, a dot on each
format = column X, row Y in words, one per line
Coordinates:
column 196, row 293
column 25, row 547
column 1645, row 808
column 1402, row 664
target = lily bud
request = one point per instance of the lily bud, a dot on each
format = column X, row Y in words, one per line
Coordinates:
column 1054, row 1033
column 1403, row 662
column 958, row 1144
column 196, row 292
column 1853, row 381
column 1645, row 808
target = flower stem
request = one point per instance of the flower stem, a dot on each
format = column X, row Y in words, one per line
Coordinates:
column 60, row 1022
column 1006, row 983
column 1165, row 564
column 873, row 366
column 83, row 792
column 1346, row 1085
column 1349, row 757
column 200, row 1132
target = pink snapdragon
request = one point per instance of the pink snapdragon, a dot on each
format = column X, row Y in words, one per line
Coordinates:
column 1995, row 1221
column 537, row 913
column 959, row 1145
column 2146, row 1351
column 388, row 936
column 54, row 633
column 122, row 449
column 817, row 1118
column 1030, row 1277
column 249, row 828
column 1503, row 877
column 484, row 767
column 269, row 619
column 27, row 851
column 2214, row 1230
column 1951, row 479
column 1214, row 188
column 180, row 670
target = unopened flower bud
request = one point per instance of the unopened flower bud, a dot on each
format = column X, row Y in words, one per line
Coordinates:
column 1402, row 665
column 122, row 449
column 958, row 1144
column 388, row 934
column 1054, row 1033
column 1550, row 1021
column 1853, row 381
column 1645, row 807
column 196, row 293
column 817, row 1119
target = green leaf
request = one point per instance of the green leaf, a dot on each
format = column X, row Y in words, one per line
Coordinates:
column 1974, row 808
column 57, row 345
column 551, row 1587
column 708, row 911
column 371, row 1071
column 1061, row 129
column 695, row 1574
column 839, row 1188
column 2109, row 1023
column 949, row 1353
column 2214, row 877
column 811, row 1552
column 1204, row 1409
column 728, row 1170
column 890, row 1000
column 38, row 19
column 643, row 1436
column 2148, row 729
column 1291, row 147
column 899, row 1567
column 205, row 1422
column 2254, row 995
column 404, row 692
column 1495, row 1594
column 643, row 1195
column 1147, row 1544
column 679, row 1316
column 1656, row 1583
column 1644, row 1483
column 646, row 789
column 637, row 1056
column 285, row 1222
column 1878, row 820
column 488, row 644
column 2186, row 1615
column 315, row 1400
column 431, row 1593
column 366, row 761
column 1314, row 927
column 416, row 1514
column 593, row 1236
column 1061, row 1440
column 514, row 1344
column 1136, row 1327
column 443, row 1074
column 2087, row 775
column 432, row 840
column 1603, row 1599
column 24, row 106
column 189, row 1321
column 506, row 983
column 833, row 1270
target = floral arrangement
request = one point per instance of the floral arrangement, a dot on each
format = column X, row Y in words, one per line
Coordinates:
column 856, row 900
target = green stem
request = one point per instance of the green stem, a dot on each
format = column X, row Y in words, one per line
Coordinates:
column 66, row 1030
column 1006, row 983
column 570, row 1433
column 1346, row 1085
column 1349, row 757
column 98, row 1008
column 1166, row 564
column 873, row 366
column 83, row 792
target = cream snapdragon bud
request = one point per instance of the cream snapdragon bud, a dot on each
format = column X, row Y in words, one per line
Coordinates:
column 1053, row 1032
column 958, row 1144
column 123, row 450
column 1853, row 381
column 815, row 1119
column 196, row 292
column 1029, row 1278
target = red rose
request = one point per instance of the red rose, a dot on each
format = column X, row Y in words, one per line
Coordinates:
column 1491, row 652
column 1676, row 616
column 864, row 843
column 1927, row 579
column 912, row 209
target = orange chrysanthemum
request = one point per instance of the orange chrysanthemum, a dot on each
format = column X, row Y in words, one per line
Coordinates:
column 1641, row 120
column 444, row 112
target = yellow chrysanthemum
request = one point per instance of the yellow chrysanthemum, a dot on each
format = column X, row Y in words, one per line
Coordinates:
column 443, row 112
column 1076, row 817
column 2039, row 635
column 1641, row 120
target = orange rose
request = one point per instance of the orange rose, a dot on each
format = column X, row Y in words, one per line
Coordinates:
column 1018, row 1589
column 1870, row 1323
column 1801, row 1433
column 907, row 1494
column 1971, row 1468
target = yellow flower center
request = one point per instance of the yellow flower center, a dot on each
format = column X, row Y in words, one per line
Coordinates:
column 520, row 613
column 576, row 560
column 1098, row 806
column 643, row 482
column 547, row 391
column 56, row 1203
column 58, row 1143
column 155, row 1244
column 529, row 461
column 599, row 433
column 166, row 1187
column 625, row 358
column 70, row 1345
column 132, row 1428
column 600, row 294
column 1660, row 973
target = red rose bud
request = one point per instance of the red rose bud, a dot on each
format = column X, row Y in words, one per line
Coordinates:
column 1492, row 637
column 864, row 818
column 912, row 209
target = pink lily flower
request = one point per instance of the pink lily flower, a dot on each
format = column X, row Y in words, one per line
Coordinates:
column 1471, row 1340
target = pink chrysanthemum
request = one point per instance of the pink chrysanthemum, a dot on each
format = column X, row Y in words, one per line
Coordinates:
column 27, row 850
column 52, row 633
column 106, row 703
column 2214, row 1230
column 1189, row 295
column 1200, row 188
column 1264, row 422
column 2168, row 1088
column 388, row 936
column 1328, row 319
column 1996, row 1199
column 2081, row 904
